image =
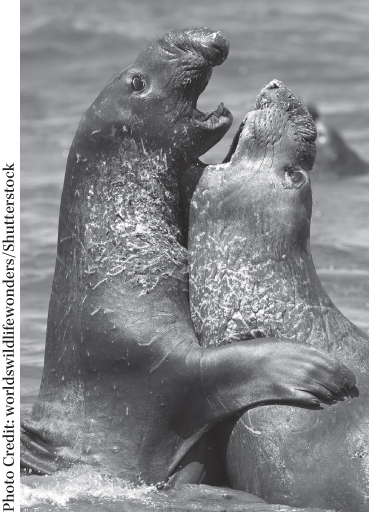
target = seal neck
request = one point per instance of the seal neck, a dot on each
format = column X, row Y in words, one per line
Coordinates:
column 130, row 220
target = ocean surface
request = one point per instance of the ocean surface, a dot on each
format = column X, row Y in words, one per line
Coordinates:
column 71, row 48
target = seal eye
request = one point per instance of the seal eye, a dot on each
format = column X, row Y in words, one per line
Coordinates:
column 137, row 83
column 295, row 176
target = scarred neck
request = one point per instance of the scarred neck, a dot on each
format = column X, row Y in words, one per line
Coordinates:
column 132, row 224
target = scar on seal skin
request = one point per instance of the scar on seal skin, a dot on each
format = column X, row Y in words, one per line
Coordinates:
column 126, row 386
column 252, row 276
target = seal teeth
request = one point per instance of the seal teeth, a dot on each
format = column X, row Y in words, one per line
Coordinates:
column 219, row 111
column 207, row 115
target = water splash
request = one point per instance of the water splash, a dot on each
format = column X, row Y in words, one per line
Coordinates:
column 82, row 489
column 80, row 482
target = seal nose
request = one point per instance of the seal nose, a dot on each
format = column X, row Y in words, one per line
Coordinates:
column 210, row 44
column 277, row 93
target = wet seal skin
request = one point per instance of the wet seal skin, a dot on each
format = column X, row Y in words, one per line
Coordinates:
column 252, row 276
column 126, row 386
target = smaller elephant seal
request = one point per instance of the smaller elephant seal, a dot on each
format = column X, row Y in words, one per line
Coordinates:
column 333, row 156
column 126, row 388
column 252, row 275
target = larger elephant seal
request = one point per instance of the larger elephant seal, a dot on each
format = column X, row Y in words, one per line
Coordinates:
column 252, row 275
column 126, row 386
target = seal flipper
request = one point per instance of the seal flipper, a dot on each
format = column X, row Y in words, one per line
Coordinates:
column 39, row 456
column 201, row 465
column 35, row 456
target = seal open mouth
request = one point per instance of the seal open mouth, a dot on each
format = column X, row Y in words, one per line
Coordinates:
column 197, row 51
column 210, row 120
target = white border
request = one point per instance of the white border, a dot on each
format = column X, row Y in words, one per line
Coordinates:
column 9, row 153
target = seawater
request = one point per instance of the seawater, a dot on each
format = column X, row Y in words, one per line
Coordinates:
column 70, row 49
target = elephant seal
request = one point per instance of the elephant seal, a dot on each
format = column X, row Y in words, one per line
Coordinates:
column 252, row 275
column 126, row 387
column 333, row 156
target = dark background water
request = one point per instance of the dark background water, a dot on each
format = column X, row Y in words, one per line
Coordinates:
column 70, row 49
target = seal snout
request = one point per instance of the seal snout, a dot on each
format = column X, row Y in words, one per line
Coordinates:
column 211, row 45
column 279, row 95
column 283, row 112
column 274, row 84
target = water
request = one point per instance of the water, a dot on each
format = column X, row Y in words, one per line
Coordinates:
column 83, row 490
column 70, row 49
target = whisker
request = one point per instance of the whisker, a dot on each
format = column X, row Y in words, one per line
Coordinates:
column 253, row 176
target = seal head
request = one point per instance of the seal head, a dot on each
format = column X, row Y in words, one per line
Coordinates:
column 154, row 100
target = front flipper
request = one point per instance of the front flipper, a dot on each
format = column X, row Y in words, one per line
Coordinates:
column 201, row 465
column 231, row 378
column 248, row 373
